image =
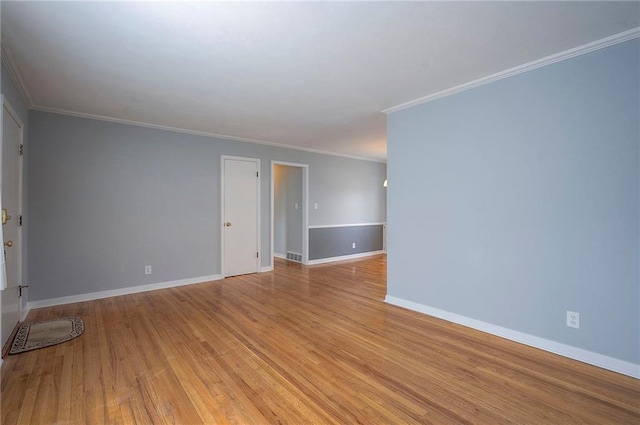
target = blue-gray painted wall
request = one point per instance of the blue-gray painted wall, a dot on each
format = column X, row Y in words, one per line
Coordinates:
column 106, row 199
column 514, row 202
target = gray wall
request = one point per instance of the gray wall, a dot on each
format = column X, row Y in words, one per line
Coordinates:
column 287, row 219
column 14, row 98
column 346, row 194
column 518, row 200
column 106, row 199
column 337, row 241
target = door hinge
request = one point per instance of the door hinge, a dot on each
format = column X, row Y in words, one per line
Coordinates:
column 21, row 150
column 257, row 254
column 257, row 174
column 19, row 220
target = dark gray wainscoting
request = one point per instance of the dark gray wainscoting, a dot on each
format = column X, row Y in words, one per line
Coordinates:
column 327, row 242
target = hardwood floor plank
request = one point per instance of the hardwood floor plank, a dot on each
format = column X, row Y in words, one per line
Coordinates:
column 299, row 345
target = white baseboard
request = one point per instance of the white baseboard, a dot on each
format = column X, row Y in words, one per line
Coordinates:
column 265, row 269
column 600, row 360
column 344, row 257
column 121, row 291
column 275, row 254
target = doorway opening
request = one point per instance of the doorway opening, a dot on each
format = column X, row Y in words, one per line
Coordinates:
column 290, row 211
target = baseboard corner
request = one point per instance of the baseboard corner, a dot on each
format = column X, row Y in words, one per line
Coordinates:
column 595, row 359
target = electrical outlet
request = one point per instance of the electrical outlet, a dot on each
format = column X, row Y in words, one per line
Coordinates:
column 353, row 245
column 147, row 269
column 573, row 319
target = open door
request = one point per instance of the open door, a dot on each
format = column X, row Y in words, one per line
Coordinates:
column 11, row 215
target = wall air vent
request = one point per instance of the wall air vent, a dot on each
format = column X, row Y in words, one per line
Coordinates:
column 293, row 256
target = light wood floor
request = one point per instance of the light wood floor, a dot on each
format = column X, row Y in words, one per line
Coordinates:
column 300, row 345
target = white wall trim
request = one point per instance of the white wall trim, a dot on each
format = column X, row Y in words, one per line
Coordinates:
column 600, row 360
column 195, row 132
column 16, row 75
column 120, row 291
column 12, row 112
column 345, row 257
column 266, row 269
column 328, row 226
column 282, row 256
column 548, row 60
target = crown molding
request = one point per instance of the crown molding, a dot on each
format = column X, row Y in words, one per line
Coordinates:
column 14, row 72
column 548, row 60
column 9, row 62
column 197, row 133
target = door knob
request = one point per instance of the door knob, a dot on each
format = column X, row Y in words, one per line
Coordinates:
column 228, row 224
column 8, row 244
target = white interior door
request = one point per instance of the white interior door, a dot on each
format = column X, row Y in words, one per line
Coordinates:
column 11, row 230
column 240, row 215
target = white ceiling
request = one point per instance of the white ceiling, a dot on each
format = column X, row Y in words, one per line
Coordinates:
column 311, row 75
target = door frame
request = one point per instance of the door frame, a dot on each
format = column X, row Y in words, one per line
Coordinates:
column 258, row 209
column 6, row 105
column 305, row 208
